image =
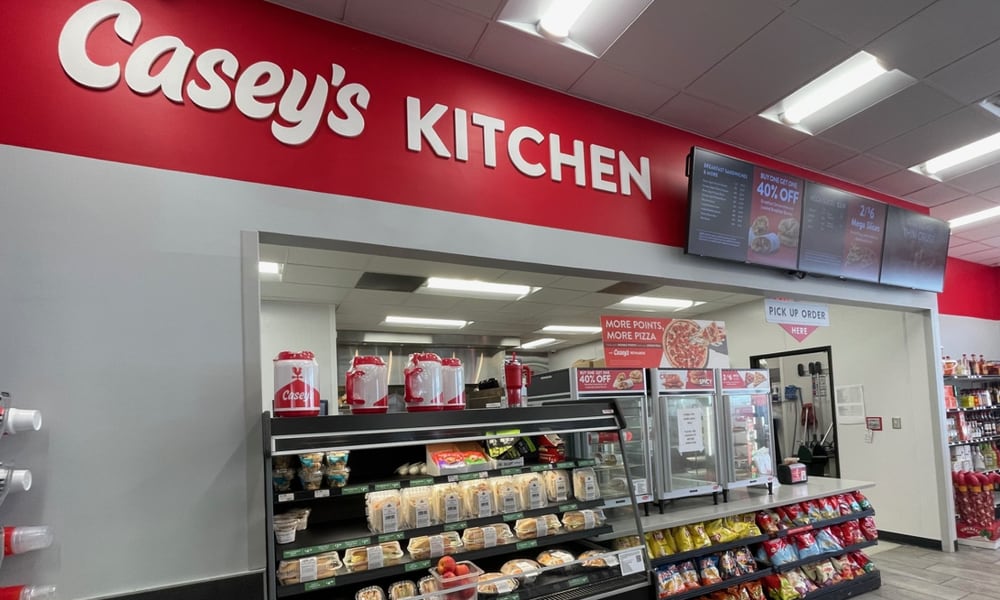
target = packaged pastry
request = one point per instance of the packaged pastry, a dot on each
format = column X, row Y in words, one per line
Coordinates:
column 585, row 485
column 312, row 461
column 311, row 479
column 555, row 557
column 337, row 477
column 597, row 559
column 402, row 589
column 525, row 569
column 532, row 489
column 416, row 508
column 506, row 496
column 383, row 510
column 557, row 485
column 311, row 568
column 284, row 530
column 446, row 503
column 373, row 557
column 530, row 528
column 337, row 460
column 282, row 478
column 626, row 542
column 497, row 583
column 477, row 499
column 487, row 536
column 575, row 520
column 433, row 546
column 372, row 592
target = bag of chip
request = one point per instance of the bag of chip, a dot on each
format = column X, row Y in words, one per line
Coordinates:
column 826, row 541
column 728, row 567
column 806, row 544
column 863, row 561
column 812, row 509
column 745, row 560
column 665, row 541
column 767, row 523
column 719, row 532
column 799, row 514
column 780, row 552
column 682, row 539
column 853, row 503
column 823, row 573
column 741, row 593
column 709, row 570
column 846, row 567
column 755, row 590
column 851, row 533
column 652, row 547
column 863, row 502
column 785, row 520
column 689, row 574
column 843, row 506
column 800, row 582
column 726, row 594
column 669, row 582
column 836, row 533
column 698, row 535
column 827, row 509
column 868, row 528
column 779, row 588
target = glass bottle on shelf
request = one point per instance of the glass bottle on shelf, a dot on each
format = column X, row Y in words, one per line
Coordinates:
column 963, row 366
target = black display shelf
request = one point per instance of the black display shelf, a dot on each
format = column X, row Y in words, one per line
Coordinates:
column 698, row 553
column 353, row 489
column 573, row 585
column 821, row 557
column 980, row 440
column 972, row 378
column 972, row 409
column 868, row 582
column 826, row 523
column 722, row 585
column 419, row 567
column 319, row 539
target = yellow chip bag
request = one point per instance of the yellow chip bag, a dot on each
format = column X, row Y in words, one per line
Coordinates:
column 699, row 537
column 666, row 542
column 682, row 538
column 719, row 532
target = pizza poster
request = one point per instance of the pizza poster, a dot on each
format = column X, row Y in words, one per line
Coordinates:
column 775, row 218
column 649, row 342
column 745, row 379
column 685, row 380
column 609, row 380
column 841, row 234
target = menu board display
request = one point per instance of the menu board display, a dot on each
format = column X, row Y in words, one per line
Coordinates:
column 743, row 212
column 841, row 234
column 916, row 250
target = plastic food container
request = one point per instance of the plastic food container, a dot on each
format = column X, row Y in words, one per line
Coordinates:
column 311, row 460
column 416, row 508
column 372, row 592
column 487, row 536
column 558, row 485
column 532, row 489
column 373, row 557
column 468, row 583
column 311, row 568
column 282, row 479
column 506, row 495
column 585, row 485
column 301, row 516
column 433, row 546
column 383, row 509
column 477, row 499
column 284, row 531
column 598, row 559
column 495, row 584
column 447, row 503
column 283, row 462
column 576, row 520
column 337, row 459
column 427, row 585
column 531, row 528
column 555, row 557
column 526, row 570
column 337, row 478
column 402, row 589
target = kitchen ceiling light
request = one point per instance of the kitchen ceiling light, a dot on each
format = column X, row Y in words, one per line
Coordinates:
column 479, row 287
column 560, row 17
column 269, row 268
column 982, row 215
column 959, row 156
column 397, row 338
column 429, row 323
column 510, row 342
column 538, row 343
column 570, row 329
column 650, row 302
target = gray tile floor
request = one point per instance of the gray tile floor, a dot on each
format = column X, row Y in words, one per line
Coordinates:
column 911, row 573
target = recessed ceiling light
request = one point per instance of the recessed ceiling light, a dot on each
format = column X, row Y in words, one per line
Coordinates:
column 650, row 302
column 479, row 287
column 982, row 215
column 269, row 268
column 397, row 338
column 510, row 342
column 960, row 156
column 539, row 343
column 422, row 322
column 560, row 18
column 570, row 329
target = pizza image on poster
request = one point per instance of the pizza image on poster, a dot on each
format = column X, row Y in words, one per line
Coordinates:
column 646, row 342
column 687, row 343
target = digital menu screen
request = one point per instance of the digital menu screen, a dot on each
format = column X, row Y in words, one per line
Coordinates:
column 742, row 212
column 915, row 250
column 841, row 234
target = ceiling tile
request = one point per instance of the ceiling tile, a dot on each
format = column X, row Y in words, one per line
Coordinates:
column 993, row 241
column 915, row 106
column 972, row 78
column 989, row 254
column 992, row 195
column 763, row 70
column 478, row 304
column 934, row 195
column 420, row 23
column 271, row 290
column 525, row 308
column 767, row 137
column 672, row 43
column 984, row 179
column 522, row 278
column 687, row 112
column 901, row 183
column 432, row 301
column 937, row 137
column 608, row 85
column 377, row 297
column 327, row 258
column 511, row 51
column 583, row 284
column 320, row 276
column 965, row 249
column 817, row 154
column 486, row 8
column 331, row 10
column 596, row 300
column 939, row 35
column 857, row 22
column 954, row 242
column 862, row 169
column 683, row 293
column 978, row 233
column 551, row 295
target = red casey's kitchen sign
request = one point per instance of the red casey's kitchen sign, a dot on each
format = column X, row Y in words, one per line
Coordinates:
column 260, row 93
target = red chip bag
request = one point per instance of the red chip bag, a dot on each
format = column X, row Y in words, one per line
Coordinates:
column 779, row 588
column 862, row 501
column 784, row 519
column 836, row 533
column 863, row 561
column 827, row 508
column 796, row 515
column 780, row 552
column 843, row 505
column 851, row 533
column 812, row 510
column 755, row 590
column 806, row 544
column 689, row 574
column 766, row 523
column 869, row 529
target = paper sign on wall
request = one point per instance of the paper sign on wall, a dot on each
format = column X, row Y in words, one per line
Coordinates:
column 690, row 437
column 645, row 342
column 799, row 319
column 850, row 404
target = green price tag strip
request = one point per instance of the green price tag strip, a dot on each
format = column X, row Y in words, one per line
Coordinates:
column 586, row 463
column 354, row 489
column 565, row 465
column 417, row 566
column 513, row 516
column 456, row 526
column 537, row 468
column 389, row 485
column 568, row 507
column 391, row 537
column 422, row 482
column 577, row 581
column 512, row 471
column 322, row 584
column 514, row 596
column 350, row 543
column 471, row 476
column 527, row 544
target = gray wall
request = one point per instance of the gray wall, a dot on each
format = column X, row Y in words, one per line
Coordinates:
column 120, row 315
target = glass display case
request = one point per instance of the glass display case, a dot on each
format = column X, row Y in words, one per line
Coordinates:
column 685, row 441
column 627, row 388
column 746, row 428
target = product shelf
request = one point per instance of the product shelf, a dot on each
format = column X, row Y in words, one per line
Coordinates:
column 848, row 589
column 820, row 557
column 826, row 523
column 971, row 378
column 722, row 585
column 972, row 409
column 698, row 553
column 981, row 440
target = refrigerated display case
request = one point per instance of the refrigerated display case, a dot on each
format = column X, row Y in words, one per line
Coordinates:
column 685, row 441
column 748, row 449
column 626, row 387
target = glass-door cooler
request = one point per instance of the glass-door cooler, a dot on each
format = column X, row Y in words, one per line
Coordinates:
column 686, row 452
column 628, row 388
column 747, row 444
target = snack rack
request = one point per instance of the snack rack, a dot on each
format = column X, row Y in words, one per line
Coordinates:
column 376, row 443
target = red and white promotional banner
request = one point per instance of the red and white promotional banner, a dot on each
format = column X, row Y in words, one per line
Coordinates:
column 644, row 342
column 745, row 379
column 610, row 380
column 685, row 380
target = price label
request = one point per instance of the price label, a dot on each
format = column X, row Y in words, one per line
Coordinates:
column 504, row 586
column 590, row 462
column 513, row 516
column 509, row 502
column 452, row 508
column 472, row 476
column 286, row 497
column 514, row 596
column 535, row 497
column 319, row 585
column 562, row 490
column 422, row 482
column 351, row 543
column 578, row 581
column 588, row 519
column 388, row 485
column 631, row 561
column 437, row 545
column 565, row 465
column 641, row 487
column 568, row 507
column 541, row 527
column 308, row 569
column 512, row 471
column 422, row 514
column 456, row 526
column 376, row 558
column 537, row 468
column 391, row 537
column 390, row 518
column 589, row 488
column 354, row 489
column 527, row 544
column 485, row 502
column 419, row 565
column 489, row 537
column 321, row 494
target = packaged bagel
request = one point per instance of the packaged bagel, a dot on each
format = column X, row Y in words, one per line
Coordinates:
column 487, row 536
column 402, row 589
column 497, row 583
column 383, row 510
column 530, row 528
column 555, row 557
column 416, row 508
column 372, row 592
column 311, row 568
column 477, row 499
column 446, row 503
column 597, row 559
column 557, row 485
column 525, row 569
column 585, row 485
column 433, row 546
column 532, row 489
column 576, row 520
column 506, row 496
column 373, row 557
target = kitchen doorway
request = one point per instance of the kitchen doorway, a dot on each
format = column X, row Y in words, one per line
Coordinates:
column 805, row 422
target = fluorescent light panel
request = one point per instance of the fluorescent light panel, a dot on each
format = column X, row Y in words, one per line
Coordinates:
column 593, row 32
column 397, row 338
column 479, row 287
column 960, row 156
column 982, row 215
column 570, row 329
column 510, row 342
column 539, row 343
column 423, row 322
column 269, row 268
column 651, row 302
column 560, row 17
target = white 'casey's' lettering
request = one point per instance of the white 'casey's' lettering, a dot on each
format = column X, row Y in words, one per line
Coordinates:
column 256, row 88
column 420, row 129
